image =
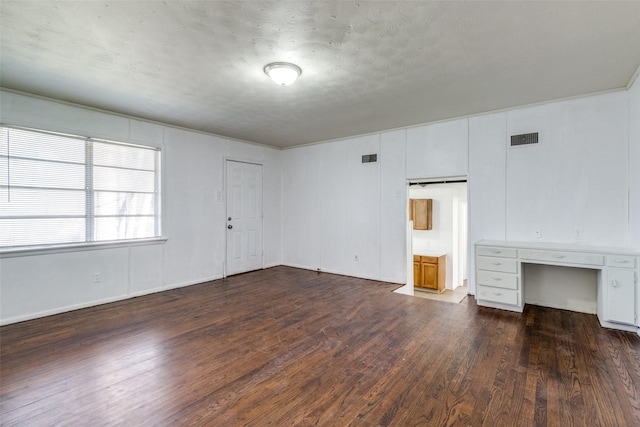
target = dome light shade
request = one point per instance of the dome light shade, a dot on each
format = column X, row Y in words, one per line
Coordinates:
column 282, row 73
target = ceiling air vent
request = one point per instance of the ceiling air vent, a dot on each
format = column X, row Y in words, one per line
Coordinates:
column 524, row 139
column 369, row 158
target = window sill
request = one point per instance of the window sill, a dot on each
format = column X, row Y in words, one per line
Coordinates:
column 77, row 247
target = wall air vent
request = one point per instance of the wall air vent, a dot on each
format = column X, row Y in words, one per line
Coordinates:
column 369, row 158
column 524, row 139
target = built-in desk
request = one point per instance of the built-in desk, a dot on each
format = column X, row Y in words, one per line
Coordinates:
column 499, row 276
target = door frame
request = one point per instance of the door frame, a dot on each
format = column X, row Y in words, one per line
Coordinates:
column 408, row 288
column 226, row 161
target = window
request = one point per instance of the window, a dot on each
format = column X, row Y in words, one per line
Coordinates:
column 57, row 189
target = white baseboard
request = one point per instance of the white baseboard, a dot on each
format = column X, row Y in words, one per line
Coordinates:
column 302, row 267
column 393, row 280
column 270, row 266
column 620, row 326
column 338, row 272
column 405, row 290
column 59, row 310
column 146, row 292
column 191, row 282
column 64, row 309
column 72, row 307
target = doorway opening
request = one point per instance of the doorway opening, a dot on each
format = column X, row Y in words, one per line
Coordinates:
column 437, row 237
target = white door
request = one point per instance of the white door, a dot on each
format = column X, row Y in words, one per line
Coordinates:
column 620, row 290
column 244, row 217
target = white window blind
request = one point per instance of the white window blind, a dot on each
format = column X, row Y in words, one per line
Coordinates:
column 58, row 189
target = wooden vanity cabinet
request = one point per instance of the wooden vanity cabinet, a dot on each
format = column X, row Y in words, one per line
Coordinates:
column 429, row 272
column 420, row 212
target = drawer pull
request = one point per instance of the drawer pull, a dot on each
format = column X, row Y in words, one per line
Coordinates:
column 559, row 256
column 497, row 279
column 621, row 261
column 496, row 263
column 497, row 294
column 614, row 283
column 497, row 252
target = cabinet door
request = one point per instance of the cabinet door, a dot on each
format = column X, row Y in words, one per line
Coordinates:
column 417, row 272
column 620, row 291
column 429, row 274
column 420, row 213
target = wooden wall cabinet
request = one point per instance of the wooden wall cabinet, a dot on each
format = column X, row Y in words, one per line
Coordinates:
column 429, row 272
column 420, row 212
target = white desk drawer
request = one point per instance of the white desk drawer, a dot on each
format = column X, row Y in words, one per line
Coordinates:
column 496, row 251
column 563, row 257
column 497, row 279
column 504, row 296
column 505, row 265
column 623, row 261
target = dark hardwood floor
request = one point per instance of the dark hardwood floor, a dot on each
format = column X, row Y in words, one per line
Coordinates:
column 288, row 347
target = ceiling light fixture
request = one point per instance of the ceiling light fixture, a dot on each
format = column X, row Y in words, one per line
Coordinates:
column 283, row 73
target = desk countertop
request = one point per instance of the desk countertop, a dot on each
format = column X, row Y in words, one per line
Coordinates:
column 559, row 247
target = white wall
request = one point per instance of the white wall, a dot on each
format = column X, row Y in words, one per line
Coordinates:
column 565, row 288
column 438, row 150
column 331, row 214
column 576, row 177
column 634, row 170
column 486, row 183
column 272, row 203
column 633, row 166
column 301, row 206
column 393, row 207
column 335, row 207
column 193, row 217
column 323, row 206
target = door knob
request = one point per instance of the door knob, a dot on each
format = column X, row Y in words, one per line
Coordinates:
column 229, row 226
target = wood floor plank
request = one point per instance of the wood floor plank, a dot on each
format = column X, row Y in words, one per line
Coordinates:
column 289, row 347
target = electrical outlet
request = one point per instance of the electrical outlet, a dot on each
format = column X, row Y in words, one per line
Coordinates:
column 97, row 277
column 578, row 233
column 538, row 232
column 355, row 258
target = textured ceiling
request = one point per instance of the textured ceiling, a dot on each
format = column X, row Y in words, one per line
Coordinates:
column 367, row 65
